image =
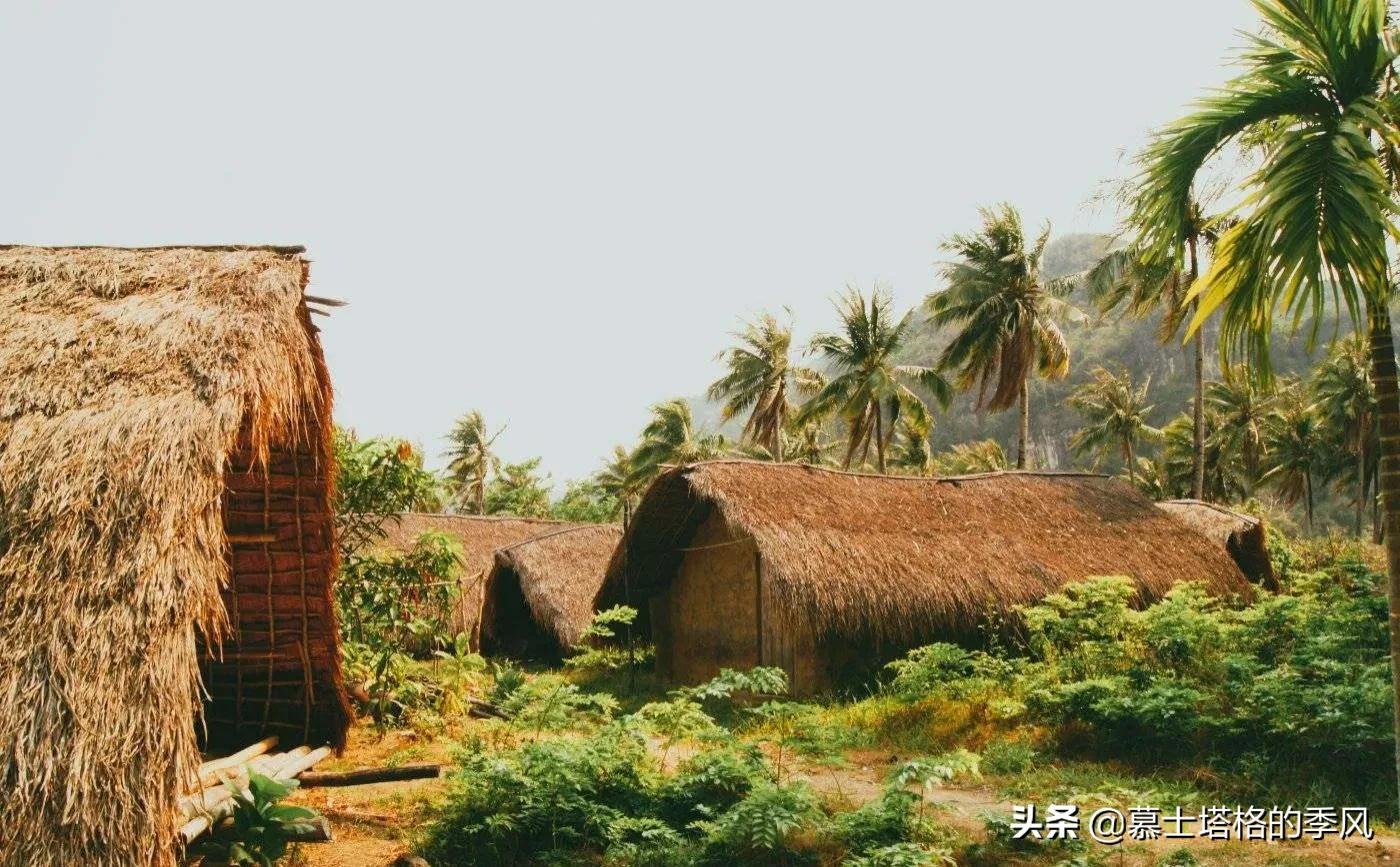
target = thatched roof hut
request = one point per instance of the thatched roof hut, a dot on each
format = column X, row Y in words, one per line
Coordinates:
column 1242, row 535
column 739, row 563
column 479, row 537
column 165, row 480
column 539, row 597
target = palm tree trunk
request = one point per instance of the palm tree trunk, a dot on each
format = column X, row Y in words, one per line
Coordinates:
column 879, row 439
column 1308, row 491
column 1198, row 407
column 1132, row 462
column 1383, row 371
column 1360, row 476
column 1024, row 434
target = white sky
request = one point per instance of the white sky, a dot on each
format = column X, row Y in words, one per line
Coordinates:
column 555, row 211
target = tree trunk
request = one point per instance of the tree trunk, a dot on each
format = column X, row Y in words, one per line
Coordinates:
column 1198, row 408
column 1024, row 435
column 1361, row 437
column 1308, row 492
column 880, row 439
column 1383, row 371
column 1132, row 462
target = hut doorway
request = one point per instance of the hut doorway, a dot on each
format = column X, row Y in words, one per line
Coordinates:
column 508, row 628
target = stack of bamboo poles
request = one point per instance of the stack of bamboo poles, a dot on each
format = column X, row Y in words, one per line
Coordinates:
column 220, row 779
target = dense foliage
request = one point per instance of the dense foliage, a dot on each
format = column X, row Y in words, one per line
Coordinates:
column 1288, row 696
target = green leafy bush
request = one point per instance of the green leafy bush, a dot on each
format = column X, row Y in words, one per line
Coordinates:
column 260, row 827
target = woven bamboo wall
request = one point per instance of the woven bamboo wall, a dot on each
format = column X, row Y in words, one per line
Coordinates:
column 279, row 672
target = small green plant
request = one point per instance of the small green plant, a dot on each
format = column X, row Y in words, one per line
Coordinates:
column 260, row 828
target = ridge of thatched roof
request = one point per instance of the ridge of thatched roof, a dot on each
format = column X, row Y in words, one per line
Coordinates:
column 559, row 574
column 478, row 536
column 905, row 558
column 127, row 379
column 1243, row 536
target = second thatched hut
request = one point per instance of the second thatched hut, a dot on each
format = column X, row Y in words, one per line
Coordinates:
column 1242, row 536
column 539, row 597
column 824, row 573
column 478, row 537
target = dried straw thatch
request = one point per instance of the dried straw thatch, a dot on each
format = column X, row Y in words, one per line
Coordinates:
column 1241, row 535
column 543, row 588
column 904, row 560
column 479, row 536
column 155, row 406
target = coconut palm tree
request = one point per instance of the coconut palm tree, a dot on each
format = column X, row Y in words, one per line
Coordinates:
column 470, row 460
column 1242, row 406
column 1006, row 313
column 912, row 452
column 983, row 456
column 1346, row 399
column 1318, row 92
column 621, row 478
column 1115, row 413
column 671, row 438
column 1223, row 470
column 1296, row 451
column 1141, row 285
column 759, row 375
column 867, row 389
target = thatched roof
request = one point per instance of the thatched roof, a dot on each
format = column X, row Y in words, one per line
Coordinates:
column 558, row 573
column 903, row 559
column 127, row 379
column 479, row 537
column 1241, row 535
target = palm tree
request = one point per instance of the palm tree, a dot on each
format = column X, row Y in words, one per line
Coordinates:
column 1223, row 471
column 1346, row 399
column 912, row 453
column 758, row 376
column 1006, row 311
column 621, row 478
column 867, row 389
column 1294, row 439
column 470, row 460
column 1115, row 413
column 1140, row 285
column 671, row 438
column 1318, row 92
column 963, row 459
column 1242, row 407
column 811, row 444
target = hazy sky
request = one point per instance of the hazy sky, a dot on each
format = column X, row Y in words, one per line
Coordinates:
column 555, row 212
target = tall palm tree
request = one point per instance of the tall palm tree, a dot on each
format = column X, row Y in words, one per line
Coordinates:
column 758, row 376
column 1140, row 285
column 1296, row 451
column 867, row 388
column 1318, row 91
column 671, row 438
column 1242, row 406
column 470, row 460
column 1115, row 413
column 1346, row 398
column 1006, row 311
column 622, row 479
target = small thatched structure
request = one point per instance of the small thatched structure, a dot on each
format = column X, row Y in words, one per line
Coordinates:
column 539, row 596
column 1241, row 535
column 165, row 483
column 479, row 537
column 742, row 563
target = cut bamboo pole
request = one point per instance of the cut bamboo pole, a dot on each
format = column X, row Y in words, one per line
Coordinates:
column 209, row 770
column 365, row 776
column 290, row 764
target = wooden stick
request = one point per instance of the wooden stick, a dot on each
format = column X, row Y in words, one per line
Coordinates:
column 365, row 776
